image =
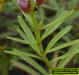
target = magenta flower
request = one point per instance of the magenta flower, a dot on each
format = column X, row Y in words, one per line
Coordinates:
column 26, row 6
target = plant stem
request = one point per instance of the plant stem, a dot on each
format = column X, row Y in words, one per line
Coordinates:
column 44, row 59
column 37, row 32
column 38, row 38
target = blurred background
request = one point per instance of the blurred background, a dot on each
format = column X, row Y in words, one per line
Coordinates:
column 46, row 13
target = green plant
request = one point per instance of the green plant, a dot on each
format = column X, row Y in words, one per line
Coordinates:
column 58, row 6
column 35, row 42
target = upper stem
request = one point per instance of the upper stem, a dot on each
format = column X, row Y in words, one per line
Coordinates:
column 37, row 32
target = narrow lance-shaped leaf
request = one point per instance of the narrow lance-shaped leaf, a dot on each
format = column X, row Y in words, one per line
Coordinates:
column 49, row 30
column 51, row 24
column 26, row 29
column 29, row 35
column 59, row 18
column 31, row 62
column 28, row 18
column 34, row 64
column 58, row 36
column 20, row 53
column 63, row 46
column 24, row 67
column 74, row 16
column 23, row 35
column 60, row 13
column 69, row 53
column 54, row 25
column 58, row 58
column 64, row 61
column 15, row 1
column 19, row 40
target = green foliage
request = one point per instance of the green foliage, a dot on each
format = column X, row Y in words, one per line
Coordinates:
column 25, row 68
column 35, row 42
column 21, row 53
column 63, row 46
column 55, row 19
column 69, row 55
column 58, row 36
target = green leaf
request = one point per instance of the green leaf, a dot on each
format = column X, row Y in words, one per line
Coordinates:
column 30, row 61
column 74, row 16
column 55, row 24
column 28, row 18
column 19, row 40
column 34, row 64
column 63, row 46
column 63, row 15
column 26, row 29
column 50, row 30
column 69, row 53
column 29, row 35
column 58, row 36
column 63, row 62
column 24, row 67
column 15, row 1
column 58, row 58
column 20, row 53
column 23, row 35
column 60, row 13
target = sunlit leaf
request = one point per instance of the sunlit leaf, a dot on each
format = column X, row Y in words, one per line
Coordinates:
column 24, row 67
column 63, row 62
column 63, row 46
column 23, row 35
column 26, row 29
column 29, row 34
column 20, row 53
column 58, row 36
column 18, row 40
column 34, row 64
column 55, row 24
column 30, row 61
column 28, row 18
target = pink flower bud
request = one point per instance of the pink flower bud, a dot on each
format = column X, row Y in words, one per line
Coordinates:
column 24, row 5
